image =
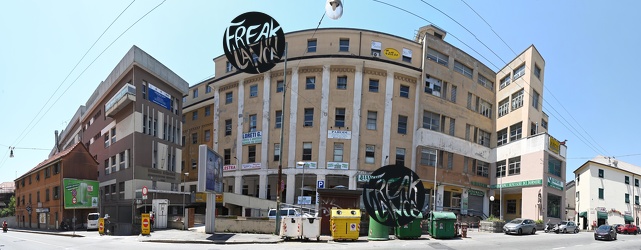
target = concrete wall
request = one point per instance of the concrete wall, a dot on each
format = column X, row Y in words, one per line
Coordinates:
column 245, row 225
column 11, row 221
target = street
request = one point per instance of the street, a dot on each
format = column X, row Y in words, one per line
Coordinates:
column 583, row 241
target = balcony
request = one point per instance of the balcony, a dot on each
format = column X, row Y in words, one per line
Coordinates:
column 120, row 100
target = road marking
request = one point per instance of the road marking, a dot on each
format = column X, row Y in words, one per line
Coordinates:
column 23, row 239
column 558, row 248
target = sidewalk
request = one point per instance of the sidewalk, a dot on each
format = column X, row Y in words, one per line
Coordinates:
column 77, row 233
column 197, row 235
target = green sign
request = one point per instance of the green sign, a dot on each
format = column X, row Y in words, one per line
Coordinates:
column 558, row 184
column 80, row 193
column 476, row 192
column 519, row 184
column 478, row 184
column 363, row 178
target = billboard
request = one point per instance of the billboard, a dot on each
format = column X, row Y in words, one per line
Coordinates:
column 159, row 97
column 80, row 193
column 210, row 170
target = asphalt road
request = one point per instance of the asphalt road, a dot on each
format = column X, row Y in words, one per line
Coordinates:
column 583, row 241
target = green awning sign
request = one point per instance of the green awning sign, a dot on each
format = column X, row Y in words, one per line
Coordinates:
column 601, row 215
column 553, row 182
column 476, row 192
column 519, row 184
column 583, row 214
column 628, row 218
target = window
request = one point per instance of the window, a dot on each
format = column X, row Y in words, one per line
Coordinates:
column 515, row 132
column 537, row 71
column 194, row 138
column 309, row 117
column 339, row 120
column 501, row 137
column 511, row 206
column 533, row 128
column 279, row 119
column 514, row 166
column 369, row 153
column 437, row 57
column 400, row 157
column 376, row 49
column 56, row 170
column 279, row 86
column 402, row 124
column 485, row 108
column 627, row 198
column 465, row 70
column 310, row 82
column 208, row 89
column 253, row 90
column 482, row 168
column 517, row 100
column 504, row 82
column 627, row 180
column 431, row 120
column 407, row 55
column 55, row 194
column 601, row 196
column 373, row 85
column 276, row 151
column 195, row 93
column 405, row 91
column 251, row 154
column 485, row 82
column 106, row 140
column 535, row 99
column 47, row 172
column 144, row 90
column 518, row 72
column 311, row 45
column 227, row 156
column 207, row 135
column 500, row 168
column 252, row 123
column 453, row 94
column 338, row 152
column 504, row 107
column 428, row 157
column 341, row 82
column 433, row 86
column 227, row 127
column 183, row 122
column 228, row 67
column 307, row 151
column 47, row 194
column 371, row 120
column 636, row 200
column 544, row 124
column 601, row 173
column 636, row 182
column 229, row 97
column 122, row 161
column 483, row 138
column 194, row 115
column 343, row 44
column 207, row 111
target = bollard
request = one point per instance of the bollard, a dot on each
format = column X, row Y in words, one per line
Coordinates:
column 464, row 230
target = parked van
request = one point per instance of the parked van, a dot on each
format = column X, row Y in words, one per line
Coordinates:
column 92, row 221
column 283, row 212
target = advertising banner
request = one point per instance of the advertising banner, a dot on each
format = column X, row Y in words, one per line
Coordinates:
column 253, row 137
column 307, row 164
column 229, row 167
column 255, row 165
column 558, row 184
column 210, row 170
column 160, row 97
column 80, row 193
column 338, row 165
column 339, row 134
column 555, row 145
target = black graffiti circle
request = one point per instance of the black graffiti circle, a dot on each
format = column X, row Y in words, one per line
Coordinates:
column 254, row 42
column 396, row 193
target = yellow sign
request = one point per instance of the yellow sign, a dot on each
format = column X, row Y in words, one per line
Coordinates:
column 101, row 226
column 555, row 146
column 201, row 197
column 391, row 53
column 146, row 224
column 219, row 198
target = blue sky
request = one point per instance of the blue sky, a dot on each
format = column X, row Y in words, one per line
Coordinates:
column 590, row 49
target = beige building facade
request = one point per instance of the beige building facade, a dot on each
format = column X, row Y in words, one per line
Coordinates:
column 356, row 100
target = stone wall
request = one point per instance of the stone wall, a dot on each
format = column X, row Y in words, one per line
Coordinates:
column 491, row 226
column 245, row 225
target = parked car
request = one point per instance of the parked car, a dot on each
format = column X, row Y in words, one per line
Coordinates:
column 630, row 229
column 520, row 226
column 283, row 212
column 92, row 221
column 605, row 232
column 567, row 226
column 617, row 227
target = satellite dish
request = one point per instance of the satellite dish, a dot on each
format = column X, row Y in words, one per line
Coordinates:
column 334, row 9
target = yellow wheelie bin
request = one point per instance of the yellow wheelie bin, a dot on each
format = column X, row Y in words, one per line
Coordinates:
column 345, row 224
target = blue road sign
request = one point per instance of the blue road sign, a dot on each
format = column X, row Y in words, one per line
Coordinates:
column 321, row 184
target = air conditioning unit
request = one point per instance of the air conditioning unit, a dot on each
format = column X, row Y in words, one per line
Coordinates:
column 376, row 54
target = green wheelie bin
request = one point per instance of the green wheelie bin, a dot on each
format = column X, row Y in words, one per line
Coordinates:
column 377, row 231
column 412, row 230
column 442, row 225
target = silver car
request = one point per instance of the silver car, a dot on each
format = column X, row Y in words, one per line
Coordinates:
column 567, row 226
column 520, row 226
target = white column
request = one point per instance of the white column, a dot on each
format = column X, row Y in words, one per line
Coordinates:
column 291, row 144
column 356, row 123
column 216, row 117
column 264, row 152
column 415, row 125
column 291, row 186
column 262, row 185
column 238, row 184
column 240, row 122
column 324, row 111
column 387, row 118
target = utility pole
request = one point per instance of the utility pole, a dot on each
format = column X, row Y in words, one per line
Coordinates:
column 280, row 153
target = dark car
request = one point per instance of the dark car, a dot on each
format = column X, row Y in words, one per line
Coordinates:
column 605, row 232
column 520, row 226
column 630, row 229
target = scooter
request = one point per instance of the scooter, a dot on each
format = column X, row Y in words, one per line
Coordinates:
column 549, row 227
column 5, row 227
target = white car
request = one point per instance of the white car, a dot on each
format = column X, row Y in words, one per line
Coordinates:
column 283, row 212
column 92, row 220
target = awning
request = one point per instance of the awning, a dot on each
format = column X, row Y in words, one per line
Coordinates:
column 583, row 214
column 628, row 218
column 601, row 215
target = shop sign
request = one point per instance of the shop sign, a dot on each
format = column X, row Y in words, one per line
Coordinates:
column 255, row 165
column 253, row 137
column 555, row 146
column 219, row 198
column 391, row 53
column 552, row 182
column 229, row 167
column 42, row 210
column 339, row 134
column 600, row 209
column 519, row 184
column 338, row 165
column 475, row 192
column 363, row 178
column 307, row 164
column 478, row 184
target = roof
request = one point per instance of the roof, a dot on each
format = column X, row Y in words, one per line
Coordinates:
column 613, row 163
column 55, row 158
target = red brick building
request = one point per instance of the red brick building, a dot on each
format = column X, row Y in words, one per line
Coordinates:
column 39, row 190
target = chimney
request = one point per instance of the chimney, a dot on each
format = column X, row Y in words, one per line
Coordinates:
column 57, row 142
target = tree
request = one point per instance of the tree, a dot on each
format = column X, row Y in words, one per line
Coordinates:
column 11, row 209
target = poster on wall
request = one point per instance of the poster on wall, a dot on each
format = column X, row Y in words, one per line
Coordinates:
column 160, row 97
column 210, row 170
column 80, row 193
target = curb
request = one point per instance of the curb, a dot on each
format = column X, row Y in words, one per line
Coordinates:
column 49, row 233
column 212, row 242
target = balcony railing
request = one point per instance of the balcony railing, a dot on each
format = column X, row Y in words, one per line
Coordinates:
column 124, row 96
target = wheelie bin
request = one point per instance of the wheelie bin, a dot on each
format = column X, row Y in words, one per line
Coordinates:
column 442, row 225
column 345, row 224
column 412, row 230
column 377, row 231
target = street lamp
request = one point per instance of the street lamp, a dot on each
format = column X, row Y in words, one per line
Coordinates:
column 302, row 182
column 186, row 174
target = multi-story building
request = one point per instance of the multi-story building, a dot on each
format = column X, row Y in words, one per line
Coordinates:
column 607, row 192
column 570, row 201
column 356, row 100
column 131, row 125
column 39, row 194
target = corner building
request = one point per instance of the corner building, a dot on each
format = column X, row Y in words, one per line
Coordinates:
column 357, row 100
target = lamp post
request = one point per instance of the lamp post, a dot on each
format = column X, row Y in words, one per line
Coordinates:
column 282, row 147
column 183, row 194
